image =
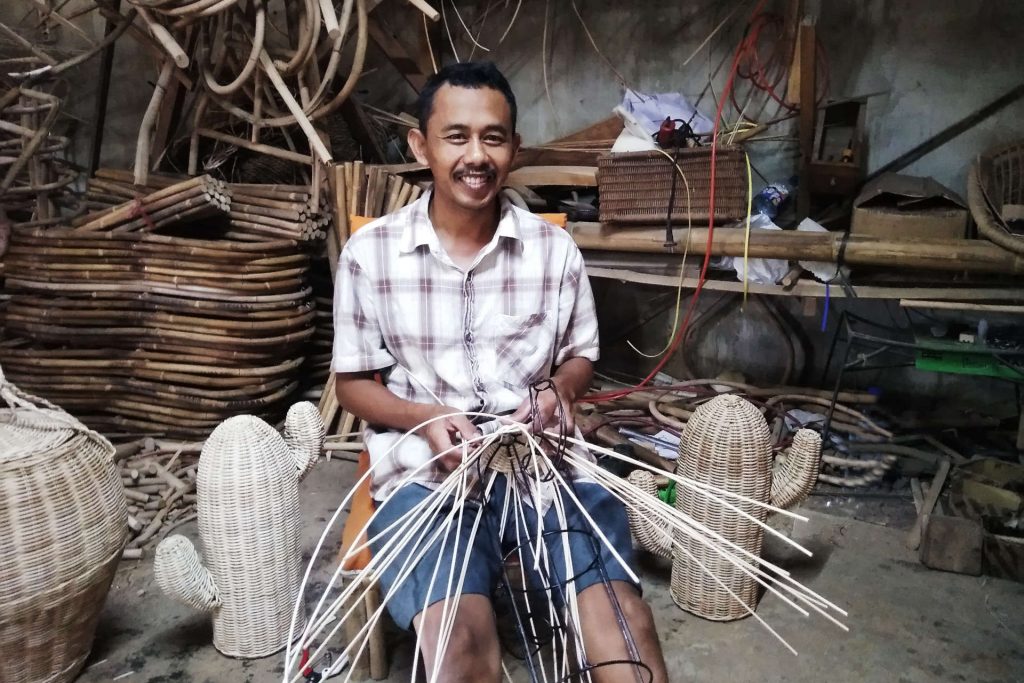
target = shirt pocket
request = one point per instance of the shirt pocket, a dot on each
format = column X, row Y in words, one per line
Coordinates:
column 524, row 348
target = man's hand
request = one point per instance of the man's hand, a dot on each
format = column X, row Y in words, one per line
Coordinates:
column 551, row 403
column 446, row 433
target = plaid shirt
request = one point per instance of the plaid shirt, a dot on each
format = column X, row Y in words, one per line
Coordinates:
column 473, row 339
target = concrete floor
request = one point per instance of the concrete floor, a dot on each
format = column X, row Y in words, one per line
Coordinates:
column 907, row 624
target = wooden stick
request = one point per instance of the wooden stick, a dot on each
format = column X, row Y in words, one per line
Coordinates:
column 315, row 143
column 914, row 537
column 961, row 306
column 142, row 157
column 255, row 146
column 164, row 37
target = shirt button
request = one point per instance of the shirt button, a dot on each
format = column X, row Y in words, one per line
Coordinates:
column 469, row 336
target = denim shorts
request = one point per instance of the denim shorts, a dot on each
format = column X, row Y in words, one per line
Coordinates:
column 421, row 575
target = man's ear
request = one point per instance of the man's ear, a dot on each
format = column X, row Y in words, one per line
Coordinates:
column 517, row 140
column 418, row 144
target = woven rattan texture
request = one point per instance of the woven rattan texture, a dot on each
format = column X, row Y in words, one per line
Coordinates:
column 996, row 182
column 180, row 573
column 725, row 443
column 649, row 534
column 250, row 526
column 635, row 186
column 63, row 524
column 796, row 477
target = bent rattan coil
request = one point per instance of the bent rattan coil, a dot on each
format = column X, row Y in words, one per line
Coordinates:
column 250, row 526
column 996, row 180
column 63, row 524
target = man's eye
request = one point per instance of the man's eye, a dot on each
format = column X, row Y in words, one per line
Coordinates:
column 455, row 137
column 494, row 140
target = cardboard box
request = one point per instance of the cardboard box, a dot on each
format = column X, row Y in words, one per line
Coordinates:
column 901, row 207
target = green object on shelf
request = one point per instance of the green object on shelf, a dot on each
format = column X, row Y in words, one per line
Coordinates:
column 960, row 363
column 668, row 494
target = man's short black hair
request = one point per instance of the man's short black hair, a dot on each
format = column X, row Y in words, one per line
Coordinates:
column 464, row 75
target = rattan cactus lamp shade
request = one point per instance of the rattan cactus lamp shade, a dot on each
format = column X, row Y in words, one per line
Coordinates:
column 63, row 524
column 250, row 526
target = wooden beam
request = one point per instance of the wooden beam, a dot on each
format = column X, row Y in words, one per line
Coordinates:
column 99, row 117
column 532, row 176
column 806, row 41
column 979, row 256
column 804, row 288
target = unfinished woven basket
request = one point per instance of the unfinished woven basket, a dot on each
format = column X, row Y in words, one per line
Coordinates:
column 250, row 526
column 63, row 524
column 995, row 194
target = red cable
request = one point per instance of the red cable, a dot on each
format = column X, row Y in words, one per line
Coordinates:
column 618, row 393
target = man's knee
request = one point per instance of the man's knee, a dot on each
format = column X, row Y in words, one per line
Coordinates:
column 471, row 651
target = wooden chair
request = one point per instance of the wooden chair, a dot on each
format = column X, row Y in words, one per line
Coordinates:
column 373, row 661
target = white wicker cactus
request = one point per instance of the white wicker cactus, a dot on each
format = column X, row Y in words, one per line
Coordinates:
column 250, row 527
column 726, row 443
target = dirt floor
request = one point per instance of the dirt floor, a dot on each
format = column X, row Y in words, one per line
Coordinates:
column 908, row 624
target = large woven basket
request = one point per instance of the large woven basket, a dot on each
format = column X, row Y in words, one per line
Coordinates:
column 995, row 194
column 635, row 186
column 63, row 524
column 725, row 443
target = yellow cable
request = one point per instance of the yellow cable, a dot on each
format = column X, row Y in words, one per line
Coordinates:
column 682, row 266
column 746, row 234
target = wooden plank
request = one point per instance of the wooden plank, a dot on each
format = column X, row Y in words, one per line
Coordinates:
column 975, row 256
column 806, row 288
column 913, row 541
column 960, row 306
column 532, row 176
column 806, row 41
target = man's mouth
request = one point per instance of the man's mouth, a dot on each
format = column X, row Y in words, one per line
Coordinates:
column 475, row 180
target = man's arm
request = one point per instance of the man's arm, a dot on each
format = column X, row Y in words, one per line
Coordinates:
column 360, row 394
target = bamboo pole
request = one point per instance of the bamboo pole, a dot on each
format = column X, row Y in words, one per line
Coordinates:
column 946, row 255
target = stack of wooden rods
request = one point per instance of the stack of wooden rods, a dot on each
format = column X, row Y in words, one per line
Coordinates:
column 257, row 212
column 188, row 200
column 358, row 189
column 160, row 484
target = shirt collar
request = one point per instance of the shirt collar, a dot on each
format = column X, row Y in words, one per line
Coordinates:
column 419, row 231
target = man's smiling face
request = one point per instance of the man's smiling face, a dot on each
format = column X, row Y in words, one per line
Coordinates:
column 469, row 145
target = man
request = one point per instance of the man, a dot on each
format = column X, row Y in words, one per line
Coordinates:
column 463, row 302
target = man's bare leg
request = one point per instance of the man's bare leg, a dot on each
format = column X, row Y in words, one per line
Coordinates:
column 607, row 644
column 473, row 653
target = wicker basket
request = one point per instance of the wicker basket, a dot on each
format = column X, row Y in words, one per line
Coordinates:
column 63, row 524
column 994, row 185
column 635, row 186
column 250, row 525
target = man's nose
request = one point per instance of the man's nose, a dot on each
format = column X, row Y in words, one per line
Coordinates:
column 475, row 152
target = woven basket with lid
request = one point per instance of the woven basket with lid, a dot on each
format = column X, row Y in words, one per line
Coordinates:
column 63, row 524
